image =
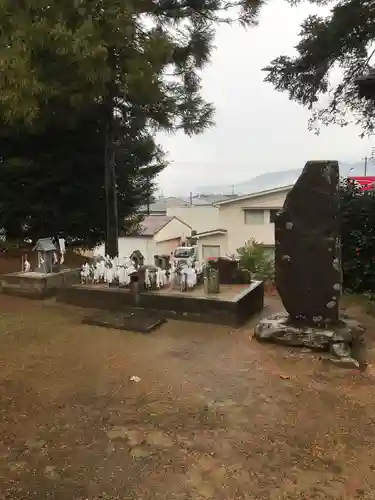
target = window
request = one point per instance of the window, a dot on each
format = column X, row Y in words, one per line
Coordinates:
column 254, row 217
column 273, row 214
column 209, row 251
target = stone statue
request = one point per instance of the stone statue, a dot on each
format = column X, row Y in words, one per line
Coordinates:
column 191, row 277
column 308, row 268
column 26, row 266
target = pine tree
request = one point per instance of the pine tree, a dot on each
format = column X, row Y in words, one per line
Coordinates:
column 52, row 180
column 341, row 42
column 123, row 55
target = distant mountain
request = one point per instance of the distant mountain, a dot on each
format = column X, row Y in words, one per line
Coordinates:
column 271, row 180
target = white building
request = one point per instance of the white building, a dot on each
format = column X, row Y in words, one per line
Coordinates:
column 157, row 235
column 221, row 228
column 199, row 211
column 240, row 219
column 199, row 217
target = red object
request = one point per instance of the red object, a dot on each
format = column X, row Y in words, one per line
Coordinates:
column 365, row 183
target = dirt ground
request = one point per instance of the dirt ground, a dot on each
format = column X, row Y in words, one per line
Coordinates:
column 215, row 415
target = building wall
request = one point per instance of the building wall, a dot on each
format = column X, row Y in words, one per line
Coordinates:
column 164, row 242
column 167, row 247
column 214, row 240
column 174, row 229
column 200, row 218
column 232, row 218
column 129, row 244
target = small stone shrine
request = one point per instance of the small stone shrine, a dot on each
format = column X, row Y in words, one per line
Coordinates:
column 47, row 255
column 308, row 269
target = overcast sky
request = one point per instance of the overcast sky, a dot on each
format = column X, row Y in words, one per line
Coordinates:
column 257, row 129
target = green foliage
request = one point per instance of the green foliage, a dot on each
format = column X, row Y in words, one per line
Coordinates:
column 357, row 238
column 52, row 181
column 342, row 40
column 144, row 51
column 86, row 82
column 255, row 258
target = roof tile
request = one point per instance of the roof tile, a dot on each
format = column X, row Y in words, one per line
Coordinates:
column 151, row 224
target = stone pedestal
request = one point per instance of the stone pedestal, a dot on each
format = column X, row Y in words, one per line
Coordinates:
column 38, row 285
column 340, row 340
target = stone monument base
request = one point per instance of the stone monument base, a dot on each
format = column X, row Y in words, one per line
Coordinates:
column 36, row 285
column 341, row 341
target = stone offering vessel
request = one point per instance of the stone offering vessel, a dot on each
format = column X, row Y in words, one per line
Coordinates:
column 308, row 268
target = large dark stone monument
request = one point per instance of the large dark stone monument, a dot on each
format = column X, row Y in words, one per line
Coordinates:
column 308, row 268
column 307, row 246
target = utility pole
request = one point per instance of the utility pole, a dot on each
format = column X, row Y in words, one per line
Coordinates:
column 368, row 159
column 148, row 187
column 110, row 178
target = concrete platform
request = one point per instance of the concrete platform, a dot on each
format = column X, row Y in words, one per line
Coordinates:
column 36, row 285
column 234, row 306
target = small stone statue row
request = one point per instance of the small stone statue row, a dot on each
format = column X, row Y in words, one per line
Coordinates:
column 119, row 271
column 196, row 266
column 107, row 271
column 157, row 278
column 183, row 278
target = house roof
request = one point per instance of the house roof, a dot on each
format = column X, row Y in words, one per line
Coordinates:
column 208, row 199
column 211, row 232
column 162, row 204
column 45, row 245
column 152, row 224
column 255, row 194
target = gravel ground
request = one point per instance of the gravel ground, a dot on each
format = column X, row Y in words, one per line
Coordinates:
column 215, row 415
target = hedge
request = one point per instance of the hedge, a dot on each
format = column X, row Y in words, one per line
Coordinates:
column 357, row 238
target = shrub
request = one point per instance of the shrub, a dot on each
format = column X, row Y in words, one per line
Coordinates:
column 357, row 237
column 255, row 258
